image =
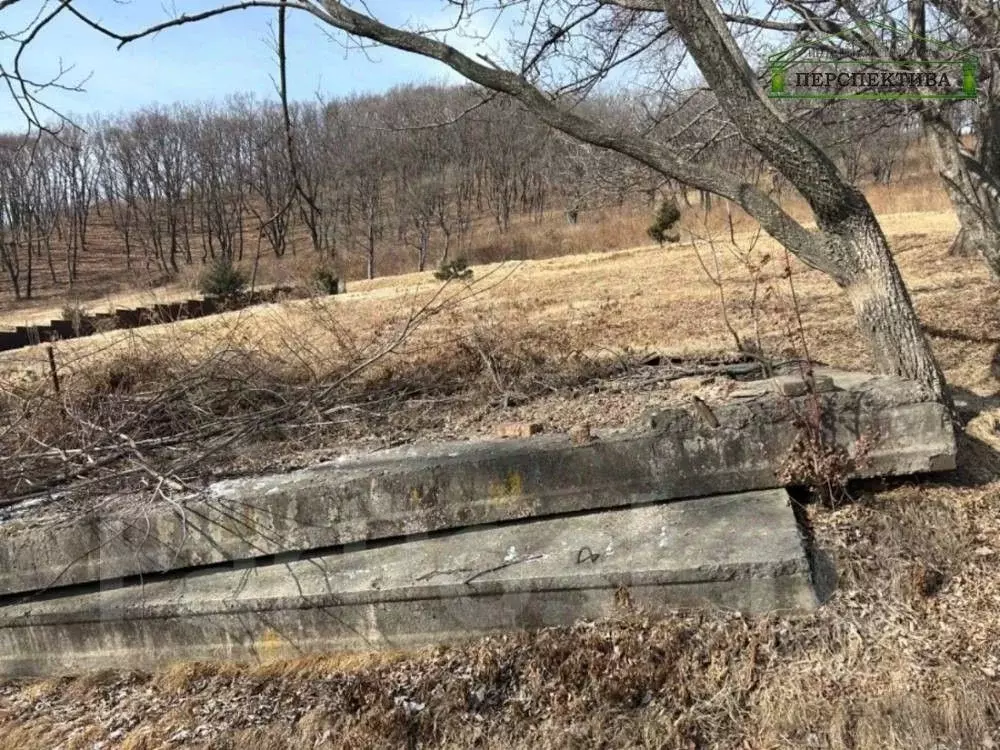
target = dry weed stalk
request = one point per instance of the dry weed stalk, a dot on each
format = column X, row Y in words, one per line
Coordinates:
column 815, row 459
column 747, row 258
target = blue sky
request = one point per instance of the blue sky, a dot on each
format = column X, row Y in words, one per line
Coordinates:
column 210, row 60
column 225, row 55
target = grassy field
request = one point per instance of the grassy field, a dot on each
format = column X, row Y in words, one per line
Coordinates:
column 904, row 655
column 105, row 282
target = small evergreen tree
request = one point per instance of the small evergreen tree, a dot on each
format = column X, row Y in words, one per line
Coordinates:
column 457, row 269
column 326, row 280
column 222, row 279
column 662, row 229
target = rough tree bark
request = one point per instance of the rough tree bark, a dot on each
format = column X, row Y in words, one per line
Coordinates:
column 974, row 193
column 970, row 177
column 854, row 241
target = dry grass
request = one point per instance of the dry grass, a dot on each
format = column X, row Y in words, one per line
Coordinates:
column 903, row 655
column 525, row 330
column 105, row 283
column 643, row 297
column 104, row 280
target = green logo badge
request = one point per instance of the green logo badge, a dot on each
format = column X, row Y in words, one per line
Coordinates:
column 799, row 72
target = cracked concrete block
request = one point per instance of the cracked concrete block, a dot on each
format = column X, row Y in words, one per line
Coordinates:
column 742, row 552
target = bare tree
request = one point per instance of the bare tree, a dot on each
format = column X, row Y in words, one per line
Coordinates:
column 905, row 34
column 218, row 184
column 321, row 134
column 273, row 190
column 161, row 177
column 49, row 200
column 424, row 176
column 972, row 177
column 76, row 170
column 119, row 183
column 366, row 172
column 573, row 45
column 849, row 246
column 186, row 182
column 17, row 220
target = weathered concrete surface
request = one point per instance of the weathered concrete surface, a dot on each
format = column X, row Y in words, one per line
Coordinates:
column 742, row 552
column 413, row 490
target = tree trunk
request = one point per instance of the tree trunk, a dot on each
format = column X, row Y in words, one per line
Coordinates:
column 974, row 194
column 884, row 310
column 425, row 241
column 371, row 241
column 29, row 281
column 853, row 246
column 974, row 238
column 973, row 191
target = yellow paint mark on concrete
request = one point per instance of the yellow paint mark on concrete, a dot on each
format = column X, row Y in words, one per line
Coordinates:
column 507, row 489
column 269, row 646
column 423, row 496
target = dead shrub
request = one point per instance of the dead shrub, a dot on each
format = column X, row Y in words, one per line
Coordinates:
column 153, row 404
column 74, row 313
column 815, row 460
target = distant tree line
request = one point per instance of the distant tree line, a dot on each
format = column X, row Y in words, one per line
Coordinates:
column 413, row 170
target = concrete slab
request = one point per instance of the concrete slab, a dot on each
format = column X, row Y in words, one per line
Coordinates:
column 63, row 329
column 743, row 552
column 12, row 340
column 420, row 489
column 30, row 334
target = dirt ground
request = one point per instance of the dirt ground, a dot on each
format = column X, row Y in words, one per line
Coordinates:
column 905, row 654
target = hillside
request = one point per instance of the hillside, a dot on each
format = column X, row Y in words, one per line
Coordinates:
column 902, row 656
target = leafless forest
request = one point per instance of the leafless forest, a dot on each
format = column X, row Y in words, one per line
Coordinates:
column 371, row 185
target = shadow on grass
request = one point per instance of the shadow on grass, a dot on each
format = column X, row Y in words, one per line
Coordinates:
column 955, row 335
